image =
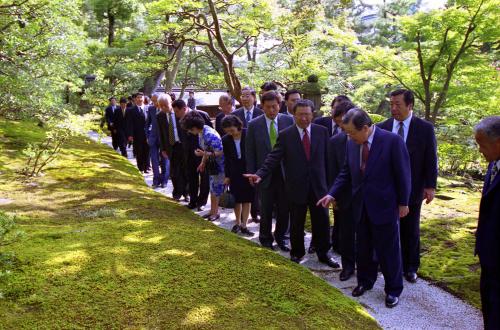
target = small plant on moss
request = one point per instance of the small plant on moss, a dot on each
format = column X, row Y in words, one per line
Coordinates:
column 8, row 235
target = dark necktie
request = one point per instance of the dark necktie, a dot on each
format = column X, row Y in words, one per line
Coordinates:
column 248, row 117
column 306, row 142
column 494, row 172
column 335, row 130
column 364, row 157
column 171, row 134
column 401, row 130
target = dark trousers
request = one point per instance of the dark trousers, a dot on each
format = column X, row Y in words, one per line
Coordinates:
column 379, row 244
column 199, row 187
column 115, row 139
column 490, row 297
column 409, row 227
column 271, row 197
column 255, row 208
column 344, row 225
column 122, row 142
column 158, row 165
column 178, row 171
column 141, row 149
column 320, row 224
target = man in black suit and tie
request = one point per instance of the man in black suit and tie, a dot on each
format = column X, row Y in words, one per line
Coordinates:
column 291, row 97
column 261, row 137
column 421, row 143
column 136, row 121
column 109, row 115
column 249, row 110
column 198, row 182
column 301, row 150
column 487, row 134
column 378, row 167
column 120, row 126
column 343, row 237
column 226, row 107
column 331, row 122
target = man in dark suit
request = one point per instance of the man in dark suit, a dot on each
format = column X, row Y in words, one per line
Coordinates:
column 262, row 134
column 487, row 134
column 158, row 163
column 120, row 126
column 109, row 115
column 301, row 150
column 343, row 238
column 421, row 143
column 331, row 122
column 136, row 121
column 226, row 107
column 249, row 110
column 197, row 181
column 378, row 167
column 291, row 97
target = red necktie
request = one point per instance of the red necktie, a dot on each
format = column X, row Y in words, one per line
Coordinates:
column 306, row 142
column 364, row 157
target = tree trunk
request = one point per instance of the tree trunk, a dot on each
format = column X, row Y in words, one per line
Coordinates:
column 173, row 68
column 152, row 83
column 111, row 29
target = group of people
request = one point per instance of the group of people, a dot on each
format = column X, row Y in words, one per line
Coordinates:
column 280, row 162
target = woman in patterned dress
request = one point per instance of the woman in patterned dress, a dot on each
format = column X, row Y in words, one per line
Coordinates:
column 211, row 146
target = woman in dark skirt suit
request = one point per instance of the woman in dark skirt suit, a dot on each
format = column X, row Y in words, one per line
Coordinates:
column 233, row 144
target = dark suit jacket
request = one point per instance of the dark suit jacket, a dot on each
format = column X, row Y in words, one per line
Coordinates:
column 241, row 114
column 218, row 124
column 301, row 175
column 386, row 183
column 422, row 147
column 109, row 115
column 336, row 158
column 258, row 145
column 326, row 122
column 488, row 227
column 152, row 131
column 161, row 119
column 136, row 123
column 119, row 120
column 231, row 161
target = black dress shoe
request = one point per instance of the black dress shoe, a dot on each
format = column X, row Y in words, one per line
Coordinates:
column 359, row 291
column 283, row 247
column 268, row 246
column 346, row 274
column 256, row 220
column 330, row 262
column 200, row 208
column 391, row 301
column 162, row 185
column 297, row 260
column 235, row 229
column 411, row 277
column 191, row 206
column 311, row 249
column 246, row 232
column 213, row 217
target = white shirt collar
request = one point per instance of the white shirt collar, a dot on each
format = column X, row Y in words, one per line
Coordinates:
column 370, row 138
column 406, row 122
column 301, row 131
column 249, row 110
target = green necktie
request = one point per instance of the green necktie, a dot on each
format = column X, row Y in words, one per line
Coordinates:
column 272, row 134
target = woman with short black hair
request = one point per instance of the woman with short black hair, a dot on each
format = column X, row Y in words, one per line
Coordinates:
column 234, row 167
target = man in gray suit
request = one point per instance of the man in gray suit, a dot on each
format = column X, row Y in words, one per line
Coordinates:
column 249, row 109
column 261, row 138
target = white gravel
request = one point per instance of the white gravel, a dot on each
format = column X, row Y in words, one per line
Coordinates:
column 422, row 305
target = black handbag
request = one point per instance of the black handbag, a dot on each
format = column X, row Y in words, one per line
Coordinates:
column 227, row 200
column 211, row 165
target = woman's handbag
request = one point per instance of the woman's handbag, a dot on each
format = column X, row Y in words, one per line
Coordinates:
column 211, row 165
column 227, row 200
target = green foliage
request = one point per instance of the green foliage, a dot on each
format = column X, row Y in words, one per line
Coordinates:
column 9, row 234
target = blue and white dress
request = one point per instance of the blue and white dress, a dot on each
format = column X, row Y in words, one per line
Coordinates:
column 210, row 140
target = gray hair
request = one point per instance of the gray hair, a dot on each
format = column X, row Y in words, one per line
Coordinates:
column 157, row 94
column 489, row 126
column 164, row 97
column 358, row 117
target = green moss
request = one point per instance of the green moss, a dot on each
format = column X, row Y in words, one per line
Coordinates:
column 104, row 251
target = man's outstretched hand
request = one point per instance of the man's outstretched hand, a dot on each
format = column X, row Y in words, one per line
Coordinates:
column 326, row 201
column 253, row 178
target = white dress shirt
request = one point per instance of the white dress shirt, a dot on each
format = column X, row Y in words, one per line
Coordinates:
column 237, row 144
column 406, row 125
column 301, row 132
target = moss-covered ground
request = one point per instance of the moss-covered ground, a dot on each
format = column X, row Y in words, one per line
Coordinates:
column 104, row 251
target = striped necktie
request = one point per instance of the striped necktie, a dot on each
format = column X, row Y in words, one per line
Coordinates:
column 494, row 172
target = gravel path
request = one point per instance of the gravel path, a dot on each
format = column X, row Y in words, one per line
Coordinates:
column 421, row 306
